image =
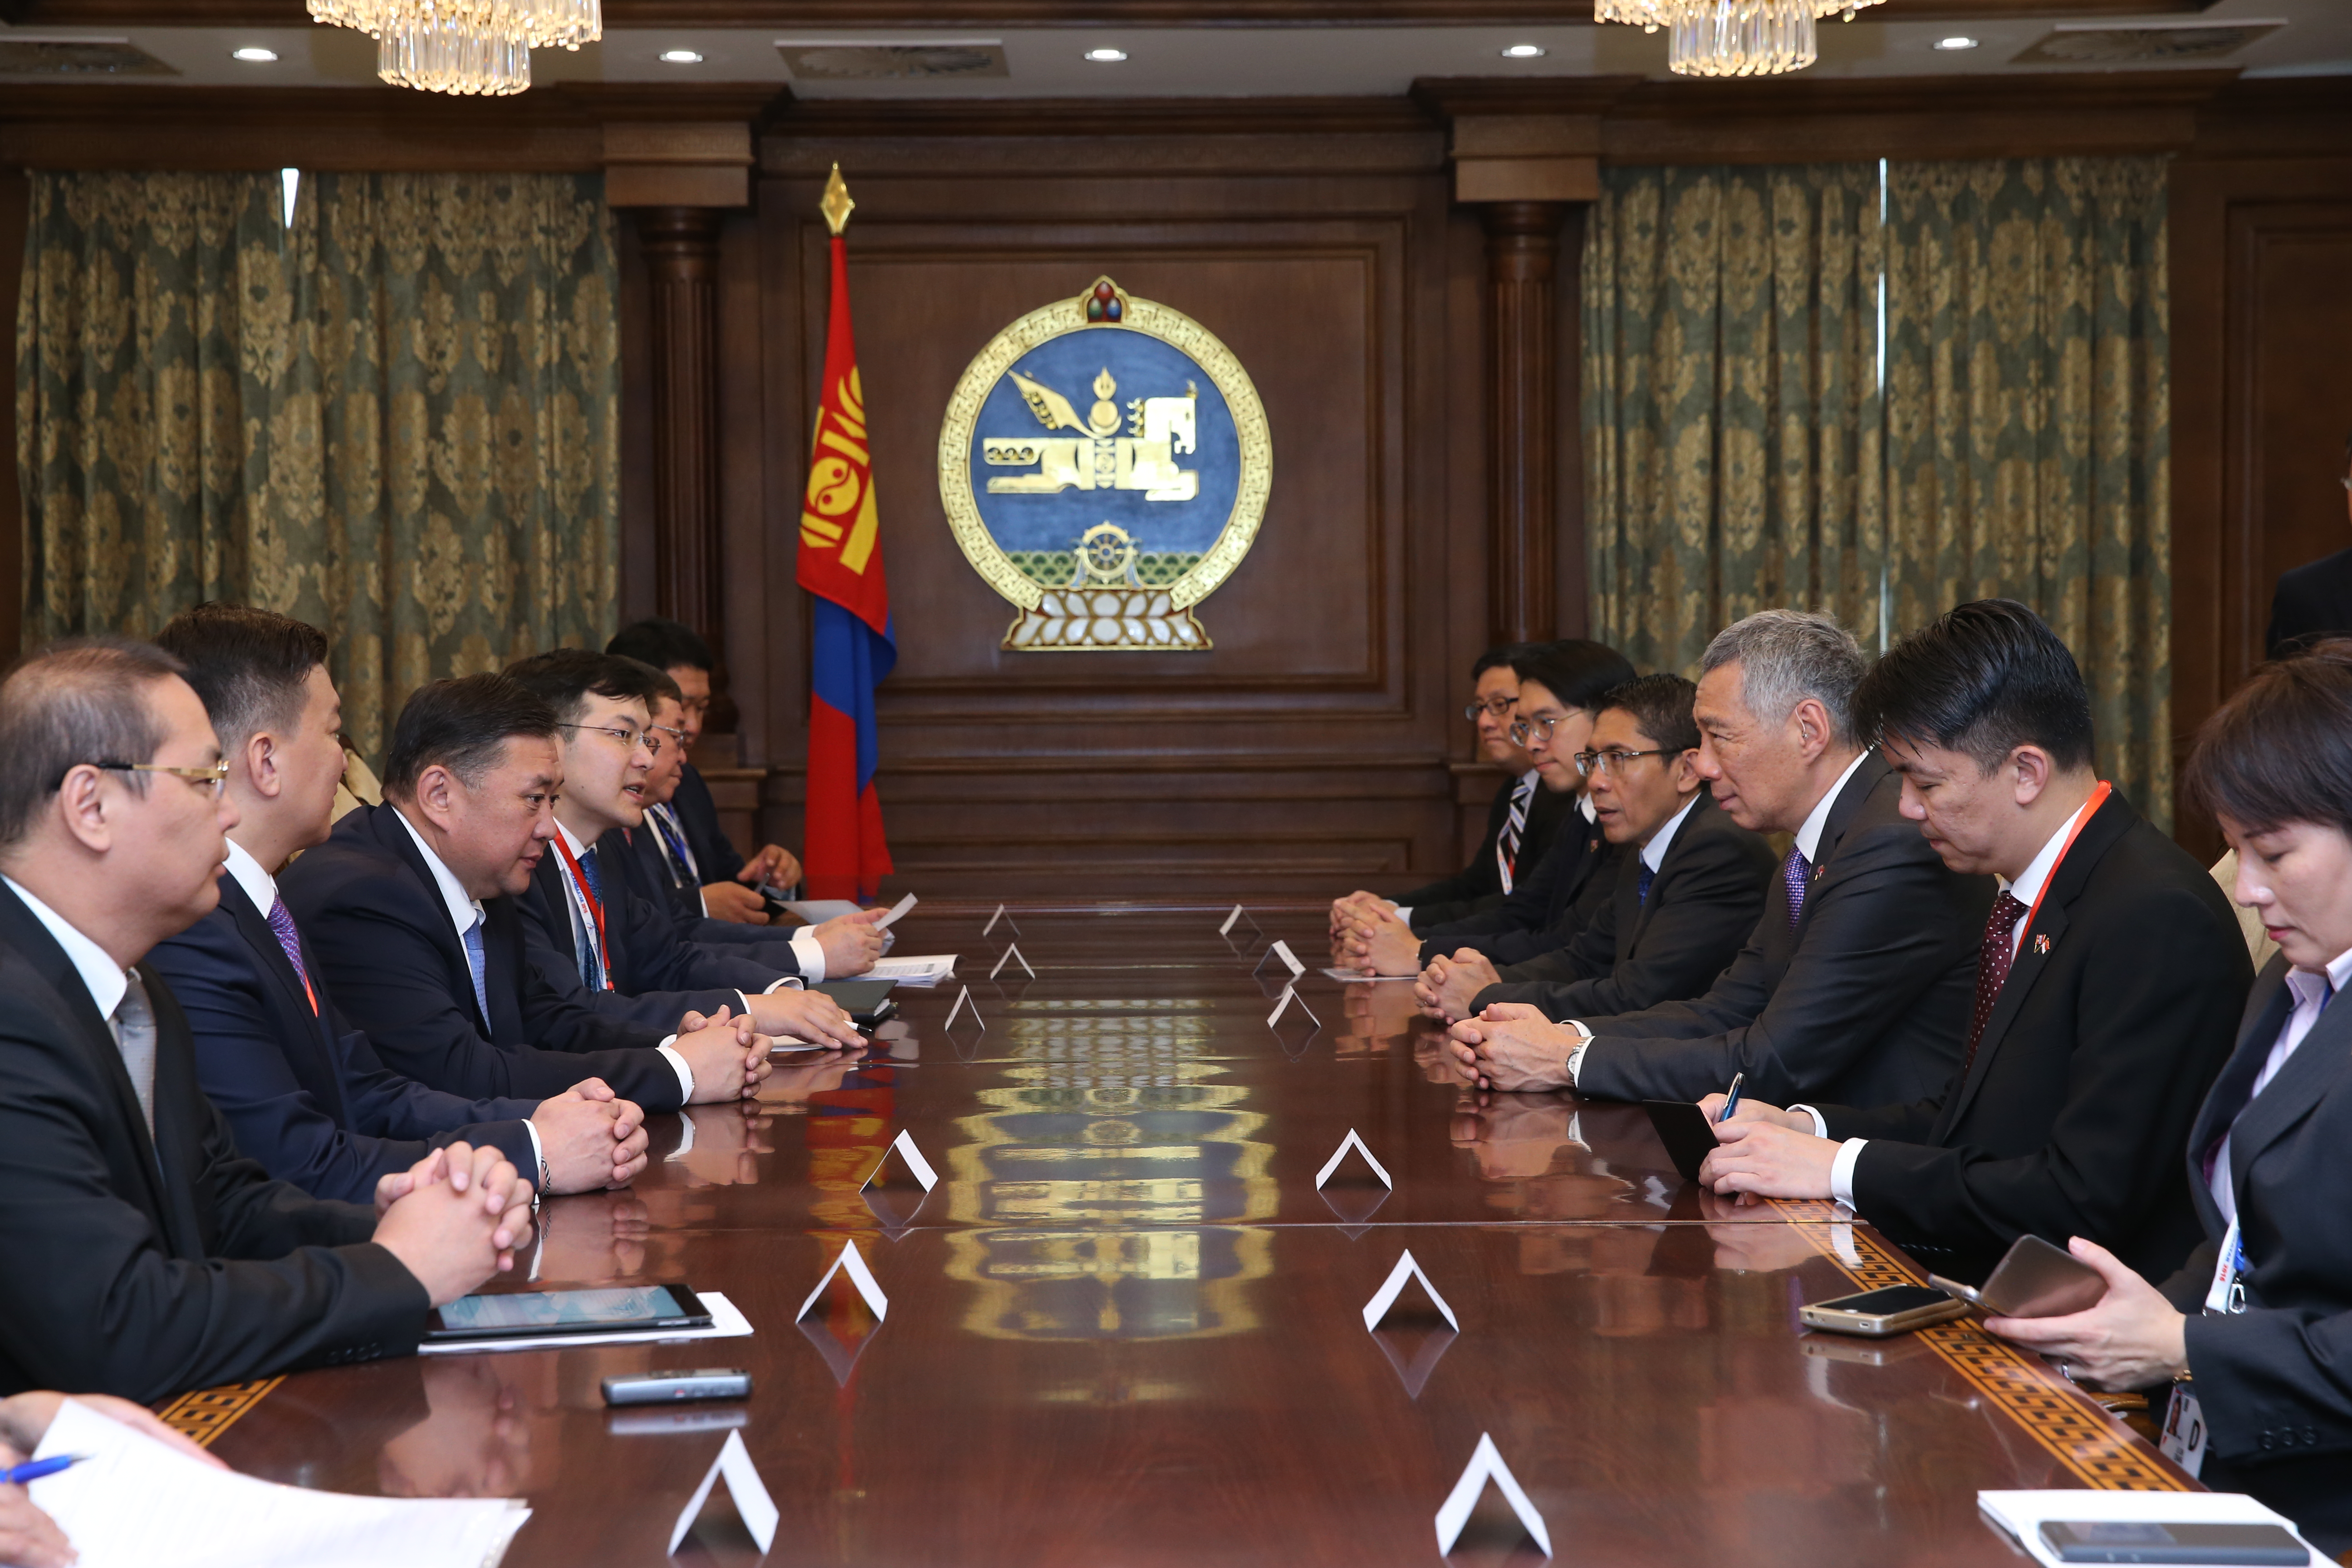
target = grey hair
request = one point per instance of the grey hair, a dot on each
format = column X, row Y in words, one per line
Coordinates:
column 1787, row 656
column 75, row 702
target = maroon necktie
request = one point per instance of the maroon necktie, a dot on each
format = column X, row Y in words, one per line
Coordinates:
column 1992, row 968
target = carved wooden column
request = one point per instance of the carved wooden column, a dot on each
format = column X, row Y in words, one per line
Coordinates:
column 1522, row 418
column 681, row 252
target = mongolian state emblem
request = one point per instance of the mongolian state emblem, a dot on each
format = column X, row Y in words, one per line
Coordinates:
column 1104, row 463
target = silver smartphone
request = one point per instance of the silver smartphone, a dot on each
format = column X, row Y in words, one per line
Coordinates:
column 2033, row 1280
column 1892, row 1310
column 667, row 1387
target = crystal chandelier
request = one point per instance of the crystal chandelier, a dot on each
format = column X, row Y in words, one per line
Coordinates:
column 1731, row 37
column 463, row 45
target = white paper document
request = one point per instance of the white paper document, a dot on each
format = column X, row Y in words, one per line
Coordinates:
column 927, row 970
column 897, row 910
column 727, row 1322
column 743, row 1484
column 135, row 1504
column 2022, row 1514
column 816, row 911
column 1487, row 1464
column 1385, row 1297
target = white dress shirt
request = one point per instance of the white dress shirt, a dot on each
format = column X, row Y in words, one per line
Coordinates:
column 2312, row 992
column 2026, row 891
column 466, row 910
column 1654, row 853
column 583, row 924
column 108, row 983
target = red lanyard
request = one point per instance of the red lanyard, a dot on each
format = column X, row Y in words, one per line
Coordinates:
column 595, row 907
column 2082, row 819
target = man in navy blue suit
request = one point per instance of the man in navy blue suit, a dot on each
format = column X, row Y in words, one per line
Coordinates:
column 306, row 1095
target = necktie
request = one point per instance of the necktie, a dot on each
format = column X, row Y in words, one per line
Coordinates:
column 588, row 873
column 1641, row 887
column 1514, row 827
column 594, row 970
column 281, row 924
column 474, row 962
column 1796, row 872
column 134, row 1037
column 672, row 838
column 1992, row 968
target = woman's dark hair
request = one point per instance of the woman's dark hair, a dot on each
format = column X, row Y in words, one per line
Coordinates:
column 1661, row 706
column 2280, row 748
column 1577, row 671
column 1985, row 678
column 464, row 725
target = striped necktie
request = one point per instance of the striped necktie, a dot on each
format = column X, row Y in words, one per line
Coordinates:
column 683, row 871
column 281, row 925
column 1515, row 827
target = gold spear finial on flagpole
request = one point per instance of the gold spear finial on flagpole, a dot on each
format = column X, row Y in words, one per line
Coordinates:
column 837, row 205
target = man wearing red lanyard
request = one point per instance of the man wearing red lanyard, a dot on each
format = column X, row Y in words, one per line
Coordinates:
column 2109, row 988
column 591, row 936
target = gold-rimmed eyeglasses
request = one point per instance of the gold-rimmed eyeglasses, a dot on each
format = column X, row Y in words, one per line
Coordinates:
column 1590, row 763
column 626, row 736
column 212, row 777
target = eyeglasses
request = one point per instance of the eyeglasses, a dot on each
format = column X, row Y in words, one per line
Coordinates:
column 627, row 737
column 1499, row 708
column 676, row 736
column 1528, row 730
column 212, row 778
column 1590, row 763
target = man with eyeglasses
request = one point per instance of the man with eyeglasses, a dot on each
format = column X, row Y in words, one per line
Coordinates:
column 1560, row 685
column 1685, row 893
column 591, row 937
column 2313, row 600
column 1520, row 822
column 145, row 1255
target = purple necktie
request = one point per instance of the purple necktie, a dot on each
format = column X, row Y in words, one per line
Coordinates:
column 281, row 921
column 1798, row 873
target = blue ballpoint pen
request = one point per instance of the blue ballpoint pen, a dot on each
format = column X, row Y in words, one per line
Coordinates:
column 1730, row 1098
column 33, row 1471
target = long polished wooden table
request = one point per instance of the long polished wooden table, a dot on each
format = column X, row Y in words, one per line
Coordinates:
column 1126, row 1327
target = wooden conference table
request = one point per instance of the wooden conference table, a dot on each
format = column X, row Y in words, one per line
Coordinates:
column 1126, row 1327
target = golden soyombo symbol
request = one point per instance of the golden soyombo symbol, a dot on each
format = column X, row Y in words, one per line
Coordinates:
column 1104, row 528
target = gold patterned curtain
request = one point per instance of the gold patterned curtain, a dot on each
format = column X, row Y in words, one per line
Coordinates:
column 2028, row 418
column 394, row 418
column 1730, row 401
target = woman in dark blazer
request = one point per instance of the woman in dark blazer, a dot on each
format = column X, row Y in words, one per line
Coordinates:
column 2257, row 1327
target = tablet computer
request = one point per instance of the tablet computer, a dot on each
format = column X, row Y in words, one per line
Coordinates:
column 1685, row 1131
column 538, row 1314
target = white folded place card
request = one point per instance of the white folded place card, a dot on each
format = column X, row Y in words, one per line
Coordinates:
column 1010, row 923
column 858, row 1276
column 963, row 1002
column 897, row 910
column 744, row 1485
column 1339, row 1154
column 1487, row 1464
column 1282, row 1004
column 1227, row 929
column 921, row 1168
column 1290, row 961
column 1013, row 952
column 1385, row 1297
column 1357, row 977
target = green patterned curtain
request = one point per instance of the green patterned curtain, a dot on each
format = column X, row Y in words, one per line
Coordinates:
column 1730, row 401
column 2026, row 421
column 396, row 419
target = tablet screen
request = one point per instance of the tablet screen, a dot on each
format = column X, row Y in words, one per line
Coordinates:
column 623, row 1307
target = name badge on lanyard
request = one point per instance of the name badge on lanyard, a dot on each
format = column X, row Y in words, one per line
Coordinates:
column 2184, row 1437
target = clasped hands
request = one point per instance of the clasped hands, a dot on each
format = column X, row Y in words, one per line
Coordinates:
column 1367, row 937
column 454, row 1218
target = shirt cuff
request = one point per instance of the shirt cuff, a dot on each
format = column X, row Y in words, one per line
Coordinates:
column 677, row 1065
column 1821, row 1123
column 1576, row 1056
column 537, row 1153
column 701, row 903
column 789, row 982
column 1402, row 912
column 810, row 953
column 1841, row 1172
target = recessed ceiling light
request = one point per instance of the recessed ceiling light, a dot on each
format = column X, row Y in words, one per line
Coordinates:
column 1957, row 41
column 1524, row 52
column 681, row 57
column 1107, row 56
column 255, row 56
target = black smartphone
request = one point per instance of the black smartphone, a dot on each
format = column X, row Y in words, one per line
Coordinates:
column 1685, row 1131
column 2223, row 1545
column 867, row 1002
column 535, row 1314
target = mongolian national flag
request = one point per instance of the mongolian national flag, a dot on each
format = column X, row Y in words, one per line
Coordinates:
column 841, row 564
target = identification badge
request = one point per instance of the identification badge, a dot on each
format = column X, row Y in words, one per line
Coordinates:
column 2228, row 1292
column 2183, row 1440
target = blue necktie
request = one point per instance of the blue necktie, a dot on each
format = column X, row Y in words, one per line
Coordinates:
column 593, row 968
column 681, row 859
column 474, row 962
column 588, row 870
column 1797, row 875
column 1641, row 887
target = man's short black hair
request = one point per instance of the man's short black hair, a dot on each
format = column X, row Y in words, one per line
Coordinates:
column 249, row 665
column 2280, row 748
column 463, row 724
column 1576, row 670
column 1502, row 656
column 564, row 676
column 1984, row 679
column 662, row 643
column 1661, row 706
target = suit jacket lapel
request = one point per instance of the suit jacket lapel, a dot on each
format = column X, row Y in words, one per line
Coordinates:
column 2315, row 1069
column 557, row 897
column 393, row 835
column 179, row 1118
column 262, row 937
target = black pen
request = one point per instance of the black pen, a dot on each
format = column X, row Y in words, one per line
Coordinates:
column 1730, row 1098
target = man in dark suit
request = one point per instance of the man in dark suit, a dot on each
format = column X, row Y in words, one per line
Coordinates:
column 2109, row 980
column 1866, row 949
column 588, row 933
column 1690, row 887
column 1558, row 685
column 145, row 1256
column 410, row 909
column 303, row 1093
column 2313, row 600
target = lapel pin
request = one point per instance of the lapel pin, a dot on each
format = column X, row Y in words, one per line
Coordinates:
column 2041, row 944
